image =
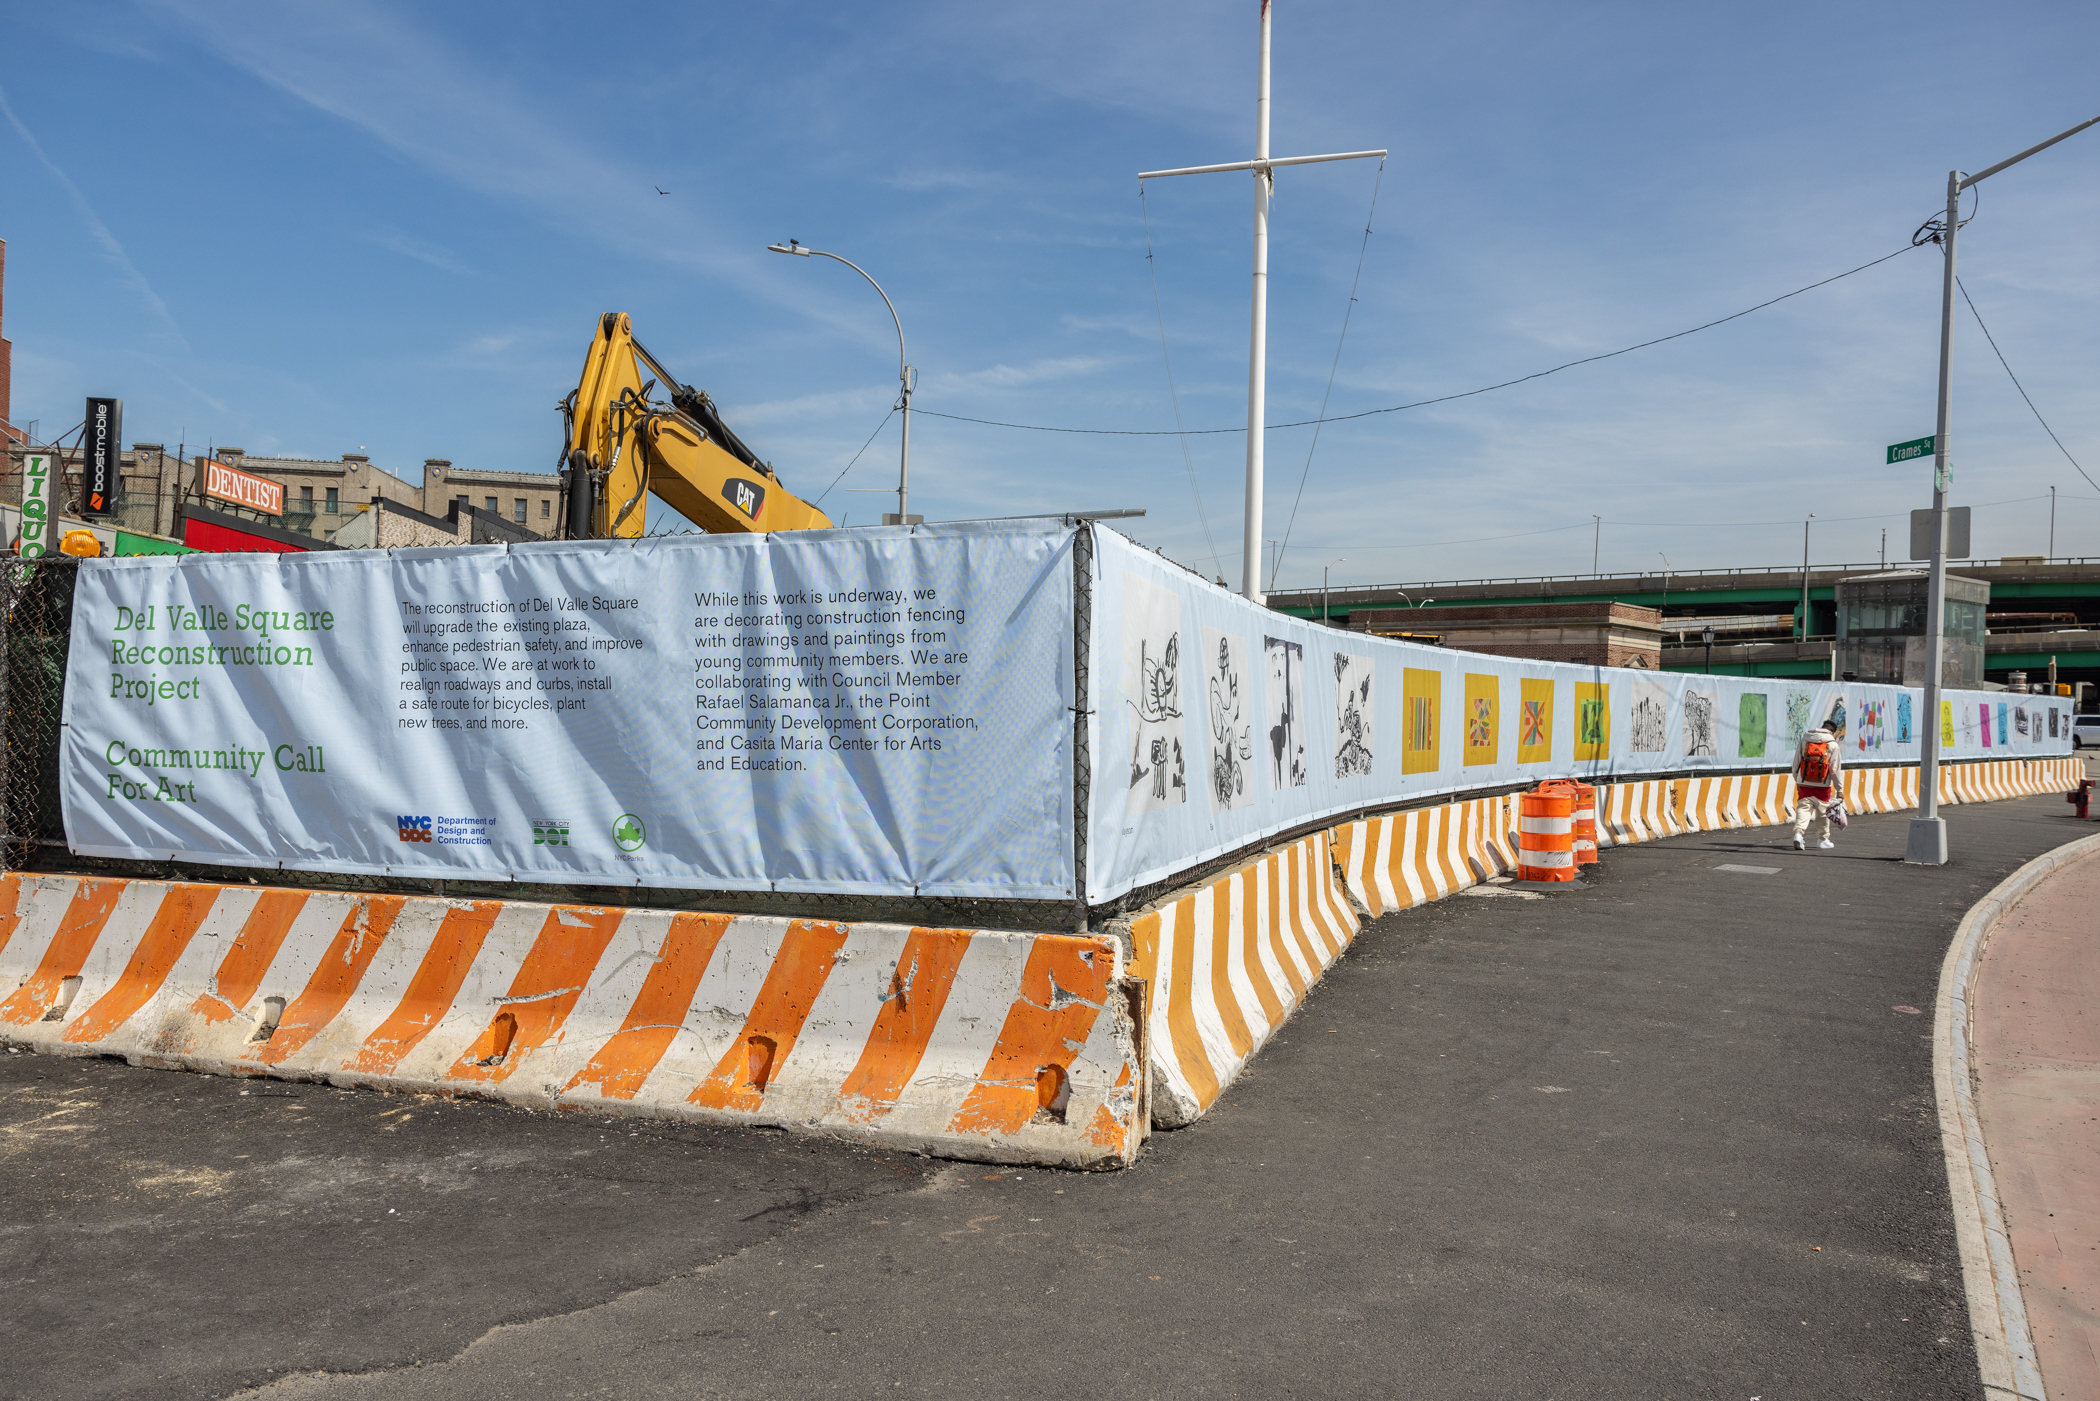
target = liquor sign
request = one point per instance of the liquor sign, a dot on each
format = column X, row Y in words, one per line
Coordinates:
column 104, row 445
column 36, row 506
column 243, row 488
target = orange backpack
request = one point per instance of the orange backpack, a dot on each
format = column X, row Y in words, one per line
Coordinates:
column 1817, row 766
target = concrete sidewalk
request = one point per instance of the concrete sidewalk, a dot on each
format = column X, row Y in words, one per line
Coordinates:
column 2035, row 1018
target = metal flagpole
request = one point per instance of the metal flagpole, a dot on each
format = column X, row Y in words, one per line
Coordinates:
column 1258, row 332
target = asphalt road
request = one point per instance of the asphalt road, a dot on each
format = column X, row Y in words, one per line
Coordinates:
column 1668, row 1136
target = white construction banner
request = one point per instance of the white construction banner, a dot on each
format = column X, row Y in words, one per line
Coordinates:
column 1216, row 723
column 865, row 712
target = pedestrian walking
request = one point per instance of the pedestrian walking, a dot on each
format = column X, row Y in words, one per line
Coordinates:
column 1819, row 777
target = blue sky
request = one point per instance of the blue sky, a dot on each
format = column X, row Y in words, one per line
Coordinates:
column 309, row 229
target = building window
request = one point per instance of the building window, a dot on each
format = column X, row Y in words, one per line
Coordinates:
column 306, row 499
column 335, row 501
column 494, row 510
column 546, row 508
column 461, row 500
column 519, row 504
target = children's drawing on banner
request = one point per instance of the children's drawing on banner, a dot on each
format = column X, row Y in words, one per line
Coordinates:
column 1798, row 704
column 1984, row 711
column 1968, row 725
column 1592, row 721
column 1870, row 727
column 1535, row 721
column 1650, row 716
column 1834, row 718
column 2020, row 721
column 1903, row 718
column 1352, row 716
column 1702, row 722
column 2052, row 720
column 1231, row 740
column 1750, row 726
column 1152, row 695
column 1284, row 700
column 2004, row 724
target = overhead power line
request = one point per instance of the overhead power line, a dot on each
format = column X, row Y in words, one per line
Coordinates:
column 1174, row 395
column 1424, row 403
column 2023, row 389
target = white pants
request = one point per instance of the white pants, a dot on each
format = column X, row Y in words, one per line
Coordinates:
column 1807, row 810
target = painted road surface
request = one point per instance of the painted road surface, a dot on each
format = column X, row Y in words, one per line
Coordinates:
column 1669, row 1135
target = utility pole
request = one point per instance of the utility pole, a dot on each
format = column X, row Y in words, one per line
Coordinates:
column 1884, row 547
column 2052, row 522
column 1804, row 576
column 1927, row 845
column 1264, row 170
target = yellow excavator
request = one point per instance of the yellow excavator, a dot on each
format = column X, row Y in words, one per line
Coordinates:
column 620, row 445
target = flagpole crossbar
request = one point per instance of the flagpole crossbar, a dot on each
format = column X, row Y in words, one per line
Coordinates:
column 1261, row 165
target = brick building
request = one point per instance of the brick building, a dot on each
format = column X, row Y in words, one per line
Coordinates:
column 8, row 432
column 1600, row 634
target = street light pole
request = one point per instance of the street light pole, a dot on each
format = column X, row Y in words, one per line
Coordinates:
column 1709, row 635
column 1596, row 542
column 1323, row 588
column 1804, row 576
column 907, row 377
column 1927, row 845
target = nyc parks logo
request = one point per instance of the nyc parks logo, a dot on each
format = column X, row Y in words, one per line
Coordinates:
column 628, row 833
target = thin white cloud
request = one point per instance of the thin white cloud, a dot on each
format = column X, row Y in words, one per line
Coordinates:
column 402, row 86
column 395, row 242
column 1045, row 371
column 111, row 248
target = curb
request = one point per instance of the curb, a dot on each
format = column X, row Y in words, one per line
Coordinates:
column 1997, row 1312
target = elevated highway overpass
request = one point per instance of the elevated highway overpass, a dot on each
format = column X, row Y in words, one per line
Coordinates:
column 2068, row 589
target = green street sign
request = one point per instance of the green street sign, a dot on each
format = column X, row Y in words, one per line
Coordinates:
column 1916, row 447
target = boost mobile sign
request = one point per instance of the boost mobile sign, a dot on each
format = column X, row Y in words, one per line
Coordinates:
column 868, row 711
column 36, row 506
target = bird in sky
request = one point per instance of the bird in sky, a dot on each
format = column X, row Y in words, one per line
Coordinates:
column 660, row 189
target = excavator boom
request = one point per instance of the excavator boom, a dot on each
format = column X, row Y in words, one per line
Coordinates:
column 622, row 445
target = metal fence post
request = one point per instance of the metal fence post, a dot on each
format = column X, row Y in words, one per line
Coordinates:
column 1082, row 756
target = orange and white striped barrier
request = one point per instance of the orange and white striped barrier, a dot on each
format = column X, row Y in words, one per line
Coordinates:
column 999, row 1047
column 1228, row 962
column 1404, row 859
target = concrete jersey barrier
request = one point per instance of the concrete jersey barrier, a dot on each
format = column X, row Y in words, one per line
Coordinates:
column 1012, row 1048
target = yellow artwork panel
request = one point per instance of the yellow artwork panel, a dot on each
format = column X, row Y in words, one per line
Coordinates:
column 1421, row 693
column 1535, row 723
column 1592, row 721
column 1482, row 693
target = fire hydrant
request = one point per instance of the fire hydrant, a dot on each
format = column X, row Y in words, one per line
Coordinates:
column 2081, row 797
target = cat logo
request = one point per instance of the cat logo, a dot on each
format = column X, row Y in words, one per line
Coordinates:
column 747, row 496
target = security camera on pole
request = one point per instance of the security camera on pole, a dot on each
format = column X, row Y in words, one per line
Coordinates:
column 1928, row 830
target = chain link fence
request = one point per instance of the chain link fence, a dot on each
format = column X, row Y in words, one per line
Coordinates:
column 36, row 627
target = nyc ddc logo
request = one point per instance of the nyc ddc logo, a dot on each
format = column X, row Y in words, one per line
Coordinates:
column 413, row 829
